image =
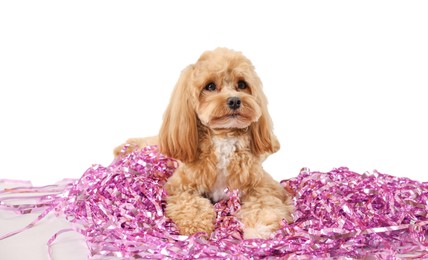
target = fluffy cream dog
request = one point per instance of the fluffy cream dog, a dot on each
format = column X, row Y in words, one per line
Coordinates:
column 217, row 124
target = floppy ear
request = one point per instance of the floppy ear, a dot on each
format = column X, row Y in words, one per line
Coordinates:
column 262, row 138
column 178, row 136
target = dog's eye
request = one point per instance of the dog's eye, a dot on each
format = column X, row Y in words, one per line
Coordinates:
column 242, row 84
column 211, row 86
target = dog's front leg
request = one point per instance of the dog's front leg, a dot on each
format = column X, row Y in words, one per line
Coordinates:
column 190, row 211
column 262, row 214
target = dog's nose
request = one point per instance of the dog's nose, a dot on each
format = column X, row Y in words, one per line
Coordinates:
column 234, row 102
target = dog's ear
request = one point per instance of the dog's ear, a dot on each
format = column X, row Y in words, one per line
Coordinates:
column 263, row 140
column 178, row 136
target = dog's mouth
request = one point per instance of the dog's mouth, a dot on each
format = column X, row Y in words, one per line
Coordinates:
column 231, row 120
column 234, row 115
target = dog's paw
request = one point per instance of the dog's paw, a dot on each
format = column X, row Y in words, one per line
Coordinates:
column 258, row 231
column 191, row 213
column 191, row 227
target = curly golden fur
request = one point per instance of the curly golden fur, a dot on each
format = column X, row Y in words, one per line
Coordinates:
column 217, row 124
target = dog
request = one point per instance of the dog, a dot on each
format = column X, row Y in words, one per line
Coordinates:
column 218, row 126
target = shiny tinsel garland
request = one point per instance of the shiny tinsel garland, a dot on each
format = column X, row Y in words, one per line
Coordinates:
column 339, row 214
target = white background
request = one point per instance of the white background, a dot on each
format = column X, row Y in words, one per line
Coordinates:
column 346, row 81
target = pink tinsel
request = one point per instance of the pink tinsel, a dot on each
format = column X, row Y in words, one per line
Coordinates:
column 120, row 211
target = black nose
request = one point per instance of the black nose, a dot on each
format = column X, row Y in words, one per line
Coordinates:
column 234, row 102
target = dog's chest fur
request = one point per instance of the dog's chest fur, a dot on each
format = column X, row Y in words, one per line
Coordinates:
column 225, row 148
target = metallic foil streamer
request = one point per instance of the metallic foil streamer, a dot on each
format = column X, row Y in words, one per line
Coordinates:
column 339, row 214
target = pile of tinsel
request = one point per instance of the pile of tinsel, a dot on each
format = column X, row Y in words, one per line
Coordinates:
column 339, row 214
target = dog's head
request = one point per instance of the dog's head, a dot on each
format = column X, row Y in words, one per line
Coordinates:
column 220, row 91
